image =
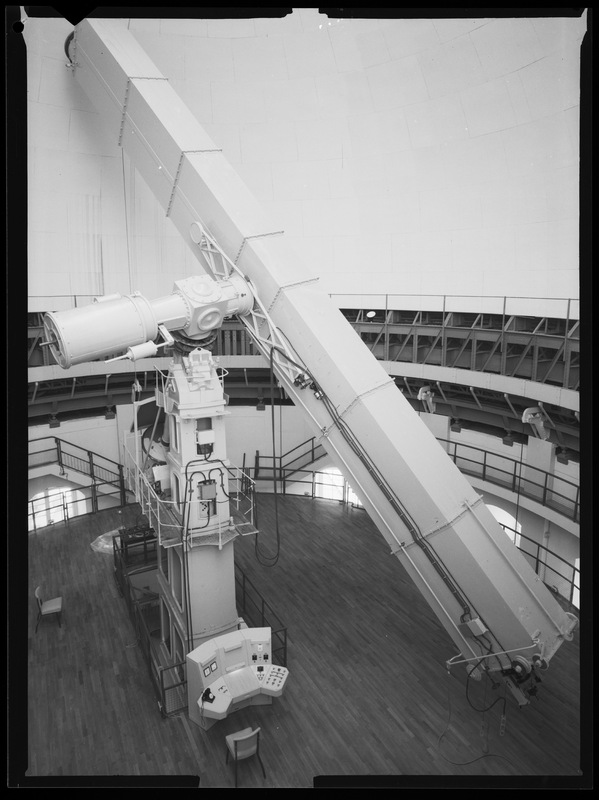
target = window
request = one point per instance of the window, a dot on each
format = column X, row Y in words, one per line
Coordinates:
column 163, row 561
column 178, row 653
column 176, row 573
column 176, row 492
column 166, row 625
column 329, row 484
column 509, row 524
column 576, row 586
column 174, row 429
column 55, row 505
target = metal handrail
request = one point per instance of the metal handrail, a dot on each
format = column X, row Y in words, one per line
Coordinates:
column 85, row 462
column 542, row 490
column 541, row 565
column 60, row 444
column 562, row 584
column 518, row 476
column 261, row 614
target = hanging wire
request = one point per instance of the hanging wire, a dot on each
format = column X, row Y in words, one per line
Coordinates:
column 262, row 557
column 481, row 711
column 381, row 482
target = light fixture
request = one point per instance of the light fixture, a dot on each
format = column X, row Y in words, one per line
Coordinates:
column 371, row 314
column 426, row 397
column 54, row 421
column 109, row 412
column 508, row 439
column 260, row 405
column 534, row 417
column 456, row 425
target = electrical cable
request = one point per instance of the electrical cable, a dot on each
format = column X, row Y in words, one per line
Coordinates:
column 222, row 484
column 447, row 726
column 470, row 703
column 383, row 485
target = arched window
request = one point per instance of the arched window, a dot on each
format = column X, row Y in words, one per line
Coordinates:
column 54, row 505
column 509, row 523
column 576, row 582
column 329, row 484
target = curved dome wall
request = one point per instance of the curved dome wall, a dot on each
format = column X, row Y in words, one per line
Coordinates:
column 415, row 157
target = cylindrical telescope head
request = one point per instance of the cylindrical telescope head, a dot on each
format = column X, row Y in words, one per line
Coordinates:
column 102, row 329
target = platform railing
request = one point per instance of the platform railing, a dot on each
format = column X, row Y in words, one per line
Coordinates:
column 555, row 571
column 288, row 463
column 167, row 516
column 169, row 680
column 545, row 487
column 258, row 613
column 107, row 487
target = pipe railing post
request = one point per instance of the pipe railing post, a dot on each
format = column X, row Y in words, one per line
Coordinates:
column 94, row 492
column 122, row 489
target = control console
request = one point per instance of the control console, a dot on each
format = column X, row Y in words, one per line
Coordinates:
column 271, row 678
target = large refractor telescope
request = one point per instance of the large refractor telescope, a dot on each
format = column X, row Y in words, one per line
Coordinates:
column 132, row 323
column 500, row 616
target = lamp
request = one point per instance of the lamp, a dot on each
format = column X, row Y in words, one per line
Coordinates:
column 371, row 314
column 109, row 412
column 534, row 416
column 54, row 421
column 426, row 396
column 260, row 405
column 508, row 438
column 456, row 425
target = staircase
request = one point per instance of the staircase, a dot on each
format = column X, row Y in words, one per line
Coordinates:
column 290, row 464
column 95, row 482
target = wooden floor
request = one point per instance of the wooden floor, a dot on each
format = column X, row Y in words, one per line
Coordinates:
column 368, row 701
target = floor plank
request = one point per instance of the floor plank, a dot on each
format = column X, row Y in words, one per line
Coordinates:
column 368, row 693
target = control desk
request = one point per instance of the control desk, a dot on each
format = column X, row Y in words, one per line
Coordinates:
column 230, row 672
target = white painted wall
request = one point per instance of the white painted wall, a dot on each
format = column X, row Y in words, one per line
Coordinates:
column 95, row 434
column 247, row 430
column 400, row 156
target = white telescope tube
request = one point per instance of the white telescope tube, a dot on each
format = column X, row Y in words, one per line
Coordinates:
column 109, row 326
column 116, row 323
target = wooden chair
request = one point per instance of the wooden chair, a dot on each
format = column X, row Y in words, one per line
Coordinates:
column 47, row 608
column 244, row 744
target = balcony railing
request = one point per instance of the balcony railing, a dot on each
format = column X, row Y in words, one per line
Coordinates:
column 558, row 574
column 105, row 488
column 546, row 488
column 289, row 463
